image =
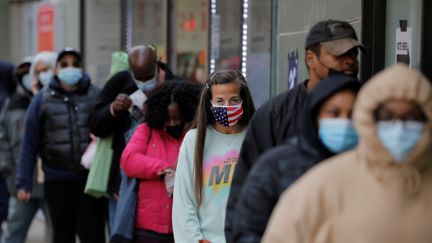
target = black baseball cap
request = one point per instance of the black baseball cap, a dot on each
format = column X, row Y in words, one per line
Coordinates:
column 69, row 50
column 336, row 36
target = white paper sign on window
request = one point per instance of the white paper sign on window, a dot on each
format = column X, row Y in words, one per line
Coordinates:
column 403, row 53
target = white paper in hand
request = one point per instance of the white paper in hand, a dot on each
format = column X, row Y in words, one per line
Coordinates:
column 138, row 98
column 169, row 181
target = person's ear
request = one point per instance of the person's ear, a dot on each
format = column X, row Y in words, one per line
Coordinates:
column 311, row 59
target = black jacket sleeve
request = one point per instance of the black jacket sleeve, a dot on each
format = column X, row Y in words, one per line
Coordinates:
column 270, row 126
column 258, row 139
column 101, row 122
column 256, row 202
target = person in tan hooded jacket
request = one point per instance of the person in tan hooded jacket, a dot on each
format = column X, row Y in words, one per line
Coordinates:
column 380, row 192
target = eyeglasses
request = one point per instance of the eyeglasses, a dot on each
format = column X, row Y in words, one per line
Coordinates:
column 386, row 115
column 65, row 64
column 408, row 124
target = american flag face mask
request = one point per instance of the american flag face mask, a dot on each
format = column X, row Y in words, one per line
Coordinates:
column 227, row 115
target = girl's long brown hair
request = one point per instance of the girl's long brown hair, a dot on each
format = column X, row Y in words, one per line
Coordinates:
column 204, row 118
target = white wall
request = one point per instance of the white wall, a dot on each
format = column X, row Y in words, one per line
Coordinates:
column 295, row 18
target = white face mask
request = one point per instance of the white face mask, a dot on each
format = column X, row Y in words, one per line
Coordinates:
column 27, row 82
column 400, row 137
column 45, row 77
column 146, row 86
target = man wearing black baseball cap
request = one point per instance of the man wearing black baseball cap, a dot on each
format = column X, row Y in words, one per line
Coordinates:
column 331, row 47
column 56, row 128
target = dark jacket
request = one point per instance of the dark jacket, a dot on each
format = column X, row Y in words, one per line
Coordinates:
column 103, row 124
column 56, row 128
column 11, row 131
column 279, row 167
column 7, row 82
column 272, row 124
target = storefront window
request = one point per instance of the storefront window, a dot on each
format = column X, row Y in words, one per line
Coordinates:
column 192, row 39
column 259, row 49
column 226, row 35
column 149, row 24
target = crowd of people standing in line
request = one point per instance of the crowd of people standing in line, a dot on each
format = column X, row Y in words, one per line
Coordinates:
column 334, row 159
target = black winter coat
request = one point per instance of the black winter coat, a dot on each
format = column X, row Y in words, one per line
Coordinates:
column 272, row 124
column 103, row 124
column 279, row 167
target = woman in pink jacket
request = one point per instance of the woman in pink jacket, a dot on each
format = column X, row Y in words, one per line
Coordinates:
column 151, row 156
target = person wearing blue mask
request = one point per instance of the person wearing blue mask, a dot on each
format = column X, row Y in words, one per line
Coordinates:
column 117, row 115
column 380, row 192
column 326, row 130
column 12, row 117
column 41, row 70
column 56, row 129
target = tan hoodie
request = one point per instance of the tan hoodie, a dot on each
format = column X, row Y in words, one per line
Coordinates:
column 364, row 196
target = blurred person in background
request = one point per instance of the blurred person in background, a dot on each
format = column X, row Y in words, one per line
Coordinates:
column 7, row 83
column 12, row 116
column 42, row 70
column 56, row 128
column 7, row 87
column 113, row 115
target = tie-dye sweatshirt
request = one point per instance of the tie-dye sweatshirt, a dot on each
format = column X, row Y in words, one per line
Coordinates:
column 191, row 224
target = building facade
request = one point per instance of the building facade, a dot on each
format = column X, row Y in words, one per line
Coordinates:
column 262, row 38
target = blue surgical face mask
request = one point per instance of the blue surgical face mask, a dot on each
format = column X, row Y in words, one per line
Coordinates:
column 337, row 134
column 27, row 82
column 45, row 77
column 400, row 137
column 146, row 86
column 70, row 75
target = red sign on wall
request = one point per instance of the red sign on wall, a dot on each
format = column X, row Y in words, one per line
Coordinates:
column 45, row 20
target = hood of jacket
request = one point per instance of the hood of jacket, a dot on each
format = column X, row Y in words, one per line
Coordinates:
column 397, row 82
column 323, row 91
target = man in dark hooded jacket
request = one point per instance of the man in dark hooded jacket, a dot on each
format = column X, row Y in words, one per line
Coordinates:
column 279, row 167
column 331, row 47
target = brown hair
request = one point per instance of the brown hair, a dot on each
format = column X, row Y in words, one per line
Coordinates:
column 204, row 117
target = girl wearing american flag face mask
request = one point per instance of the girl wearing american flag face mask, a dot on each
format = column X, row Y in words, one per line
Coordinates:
column 208, row 157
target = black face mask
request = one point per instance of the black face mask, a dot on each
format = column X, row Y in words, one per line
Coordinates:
column 175, row 131
column 332, row 72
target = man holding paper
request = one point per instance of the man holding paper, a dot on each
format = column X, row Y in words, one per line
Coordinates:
column 121, row 103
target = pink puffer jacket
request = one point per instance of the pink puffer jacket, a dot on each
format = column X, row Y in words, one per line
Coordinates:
column 145, row 159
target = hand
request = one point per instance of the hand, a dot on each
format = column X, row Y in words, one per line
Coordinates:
column 121, row 103
column 204, row 241
column 169, row 181
column 23, row 195
column 35, row 86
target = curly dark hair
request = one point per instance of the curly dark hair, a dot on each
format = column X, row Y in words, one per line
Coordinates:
column 184, row 94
